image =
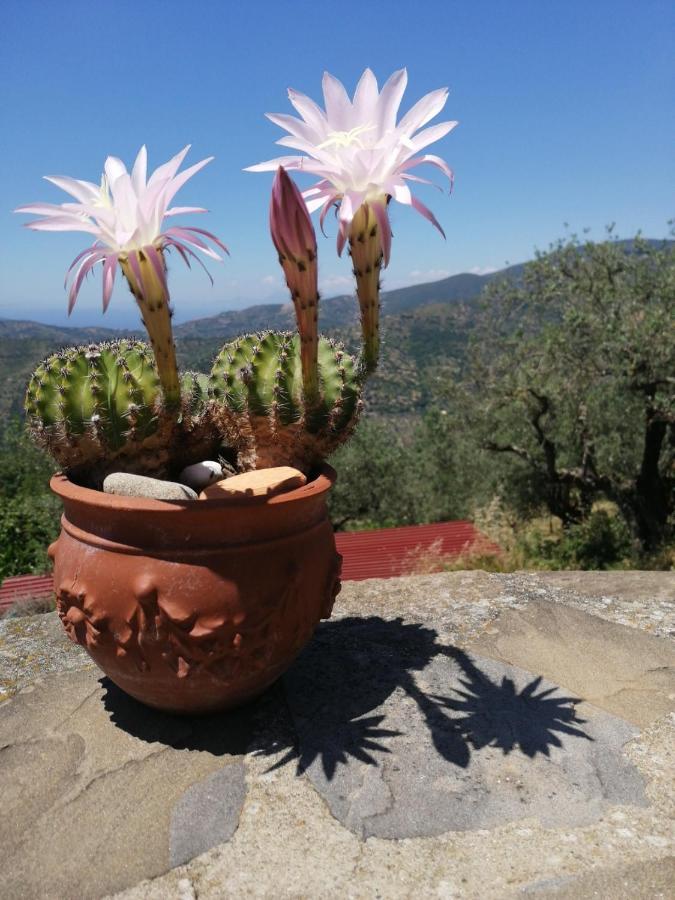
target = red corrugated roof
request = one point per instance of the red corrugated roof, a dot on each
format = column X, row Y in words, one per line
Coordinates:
column 382, row 553
column 390, row 552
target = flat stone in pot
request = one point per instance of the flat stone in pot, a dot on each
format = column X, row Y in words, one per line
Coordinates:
column 127, row 485
column 259, row 483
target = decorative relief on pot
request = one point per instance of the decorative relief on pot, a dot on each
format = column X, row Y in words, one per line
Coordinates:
column 83, row 623
column 224, row 646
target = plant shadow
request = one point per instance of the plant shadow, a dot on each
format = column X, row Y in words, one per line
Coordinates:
column 327, row 708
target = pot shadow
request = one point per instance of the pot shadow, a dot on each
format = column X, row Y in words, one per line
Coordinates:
column 327, row 707
column 220, row 734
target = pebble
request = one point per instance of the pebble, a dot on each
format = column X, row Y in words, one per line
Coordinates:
column 125, row 484
column 259, row 483
column 201, row 474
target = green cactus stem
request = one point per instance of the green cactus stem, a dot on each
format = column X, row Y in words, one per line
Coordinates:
column 365, row 247
column 145, row 271
column 100, row 408
column 258, row 403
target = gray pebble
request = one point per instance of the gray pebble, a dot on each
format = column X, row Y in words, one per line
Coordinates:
column 202, row 474
column 127, row 485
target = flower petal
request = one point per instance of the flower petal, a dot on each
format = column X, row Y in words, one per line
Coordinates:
column 365, row 97
column 139, row 171
column 88, row 251
column 63, row 223
column 185, row 236
column 309, row 110
column 324, row 211
column 427, row 213
column 430, row 135
column 210, row 236
column 84, row 191
column 382, row 217
column 296, row 143
column 45, row 209
column 401, row 193
column 114, row 168
column 423, row 111
column 338, row 106
column 184, row 249
column 82, row 272
column 432, row 161
column 271, row 165
column 170, row 243
column 317, row 202
column 178, row 181
column 341, row 237
column 135, row 266
column 390, row 100
column 419, row 180
column 182, row 210
column 109, row 269
column 295, row 126
column 159, row 268
column 168, row 169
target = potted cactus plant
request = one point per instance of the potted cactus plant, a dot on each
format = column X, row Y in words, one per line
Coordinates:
column 195, row 604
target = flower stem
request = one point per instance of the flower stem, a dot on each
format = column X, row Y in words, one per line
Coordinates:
column 145, row 270
column 365, row 247
column 306, row 302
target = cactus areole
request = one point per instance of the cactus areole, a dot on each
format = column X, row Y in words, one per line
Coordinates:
column 197, row 605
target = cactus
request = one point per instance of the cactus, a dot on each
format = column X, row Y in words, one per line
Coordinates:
column 257, row 401
column 100, row 408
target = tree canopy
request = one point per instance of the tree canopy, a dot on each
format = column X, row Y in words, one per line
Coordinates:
column 571, row 374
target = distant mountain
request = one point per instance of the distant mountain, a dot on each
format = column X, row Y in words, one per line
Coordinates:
column 335, row 313
column 342, row 311
column 20, row 329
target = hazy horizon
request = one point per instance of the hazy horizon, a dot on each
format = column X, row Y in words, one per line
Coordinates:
column 130, row 317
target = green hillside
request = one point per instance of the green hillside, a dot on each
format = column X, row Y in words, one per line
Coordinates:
column 420, row 324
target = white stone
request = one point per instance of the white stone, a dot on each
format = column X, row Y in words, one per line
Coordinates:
column 201, row 474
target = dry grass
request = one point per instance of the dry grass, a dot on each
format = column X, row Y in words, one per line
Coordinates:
column 29, row 606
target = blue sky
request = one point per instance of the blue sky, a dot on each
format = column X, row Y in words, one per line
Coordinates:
column 564, row 110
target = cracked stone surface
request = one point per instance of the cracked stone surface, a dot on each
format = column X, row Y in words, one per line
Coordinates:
column 463, row 735
column 96, row 795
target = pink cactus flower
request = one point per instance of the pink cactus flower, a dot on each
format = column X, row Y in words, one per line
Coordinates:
column 359, row 151
column 125, row 214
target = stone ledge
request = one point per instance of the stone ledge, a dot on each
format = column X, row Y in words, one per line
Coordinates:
column 457, row 735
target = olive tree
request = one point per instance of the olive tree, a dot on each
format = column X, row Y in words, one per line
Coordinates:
column 571, row 375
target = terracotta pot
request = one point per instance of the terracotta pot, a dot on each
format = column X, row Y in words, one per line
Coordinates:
column 194, row 606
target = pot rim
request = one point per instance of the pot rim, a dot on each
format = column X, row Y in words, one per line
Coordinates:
column 63, row 487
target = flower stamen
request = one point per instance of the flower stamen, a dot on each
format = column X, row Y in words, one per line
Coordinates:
column 346, row 138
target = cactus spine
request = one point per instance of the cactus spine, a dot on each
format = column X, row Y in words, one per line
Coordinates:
column 258, row 402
